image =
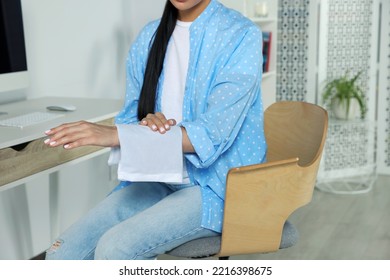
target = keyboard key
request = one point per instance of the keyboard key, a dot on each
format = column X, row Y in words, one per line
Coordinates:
column 29, row 119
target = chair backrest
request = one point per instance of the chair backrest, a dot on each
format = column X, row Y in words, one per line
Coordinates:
column 294, row 129
column 259, row 198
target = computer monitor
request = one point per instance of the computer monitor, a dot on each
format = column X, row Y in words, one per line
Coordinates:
column 13, row 62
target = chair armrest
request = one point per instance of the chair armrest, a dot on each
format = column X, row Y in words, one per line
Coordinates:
column 259, row 199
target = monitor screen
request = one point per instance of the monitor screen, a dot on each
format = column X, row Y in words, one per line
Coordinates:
column 13, row 62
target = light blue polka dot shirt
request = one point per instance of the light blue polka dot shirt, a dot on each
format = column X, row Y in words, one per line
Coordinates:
column 222, row 107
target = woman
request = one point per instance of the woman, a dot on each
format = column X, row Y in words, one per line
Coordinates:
column 197, row 70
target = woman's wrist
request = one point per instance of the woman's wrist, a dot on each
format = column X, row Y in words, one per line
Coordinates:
column 187, row 145
column 115, row 135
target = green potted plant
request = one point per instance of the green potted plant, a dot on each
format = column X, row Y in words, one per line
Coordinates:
column 345, row 97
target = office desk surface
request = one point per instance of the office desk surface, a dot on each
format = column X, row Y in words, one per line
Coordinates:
column 22, row 151
column 93, row 110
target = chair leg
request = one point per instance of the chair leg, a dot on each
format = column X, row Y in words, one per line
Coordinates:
column 224, row 258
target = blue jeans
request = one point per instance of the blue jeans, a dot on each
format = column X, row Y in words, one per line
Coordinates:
column 137, row 222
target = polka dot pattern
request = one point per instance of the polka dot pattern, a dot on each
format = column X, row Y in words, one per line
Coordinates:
column 222, row 107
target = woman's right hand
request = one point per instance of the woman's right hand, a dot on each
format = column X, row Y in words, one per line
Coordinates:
column 158, row 122
column 77, row 134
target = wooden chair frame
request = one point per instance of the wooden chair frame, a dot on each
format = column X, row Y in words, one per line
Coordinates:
column 260, row 198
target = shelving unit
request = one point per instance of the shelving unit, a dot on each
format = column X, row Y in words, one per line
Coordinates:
column 267, row 23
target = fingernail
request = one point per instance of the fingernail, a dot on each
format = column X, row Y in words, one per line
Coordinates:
column 162, row 130
column 167, row 126
column 67, row 146
column 53, row 143
column 47, row 131
column 46, row 141
column 154, row 127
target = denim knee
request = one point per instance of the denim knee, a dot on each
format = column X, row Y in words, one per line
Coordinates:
column 60, row 250
column 110, row 247
column 54, row 252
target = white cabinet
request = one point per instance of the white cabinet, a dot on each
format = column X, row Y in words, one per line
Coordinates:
column 263, row 13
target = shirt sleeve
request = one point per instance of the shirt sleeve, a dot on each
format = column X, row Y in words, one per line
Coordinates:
column 235, row 89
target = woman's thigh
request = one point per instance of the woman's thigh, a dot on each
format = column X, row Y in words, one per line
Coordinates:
column 174, row 220
column 79, row 241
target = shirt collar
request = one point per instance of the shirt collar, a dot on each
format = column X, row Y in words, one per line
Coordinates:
column 207, row 13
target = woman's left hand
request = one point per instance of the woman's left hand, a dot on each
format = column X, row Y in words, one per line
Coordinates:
column 158, row 122
column 77, row 134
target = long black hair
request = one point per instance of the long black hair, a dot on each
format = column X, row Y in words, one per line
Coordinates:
column 147, row 99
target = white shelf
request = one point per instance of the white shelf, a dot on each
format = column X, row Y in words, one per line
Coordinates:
column 263, row 20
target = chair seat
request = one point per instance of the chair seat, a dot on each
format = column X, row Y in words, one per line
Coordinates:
column 210, row 246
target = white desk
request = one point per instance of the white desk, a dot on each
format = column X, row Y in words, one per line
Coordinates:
column 22, row 152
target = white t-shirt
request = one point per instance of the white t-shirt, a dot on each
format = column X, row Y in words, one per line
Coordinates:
column 175, row 76
column 175, row 73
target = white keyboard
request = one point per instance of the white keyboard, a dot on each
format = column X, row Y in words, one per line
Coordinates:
column 29, row 119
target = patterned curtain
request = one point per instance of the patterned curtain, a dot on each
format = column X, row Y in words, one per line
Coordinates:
column 351, row 46
column 293, row 22
column 384, row 93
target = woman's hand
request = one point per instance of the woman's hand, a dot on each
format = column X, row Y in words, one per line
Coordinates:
column 77, row 134
column 158, row 122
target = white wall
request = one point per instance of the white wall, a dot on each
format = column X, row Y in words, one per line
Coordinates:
column 75, row 48
column 78, row 48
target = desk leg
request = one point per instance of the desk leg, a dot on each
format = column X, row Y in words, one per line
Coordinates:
column 53, row 205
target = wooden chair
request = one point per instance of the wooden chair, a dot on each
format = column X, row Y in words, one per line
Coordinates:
column 260, row 198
